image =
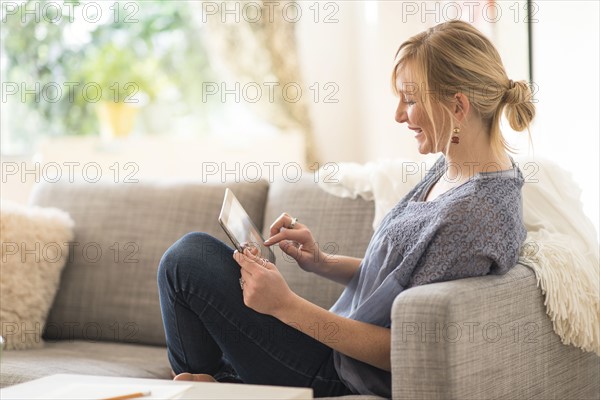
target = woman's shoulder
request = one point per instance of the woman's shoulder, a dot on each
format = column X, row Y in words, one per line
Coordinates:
column 492, row 203
column 498, row 187
column 486, row 198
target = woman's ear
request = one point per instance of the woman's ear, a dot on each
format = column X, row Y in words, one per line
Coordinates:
column 461, row 106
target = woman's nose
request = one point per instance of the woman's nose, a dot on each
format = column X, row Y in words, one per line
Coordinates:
column 401, row 115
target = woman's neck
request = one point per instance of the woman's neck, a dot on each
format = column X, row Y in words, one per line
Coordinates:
column 473, row 155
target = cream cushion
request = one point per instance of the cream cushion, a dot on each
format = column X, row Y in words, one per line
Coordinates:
column 34, row 250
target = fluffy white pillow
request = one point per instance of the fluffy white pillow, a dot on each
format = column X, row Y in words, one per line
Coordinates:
column 34, row 249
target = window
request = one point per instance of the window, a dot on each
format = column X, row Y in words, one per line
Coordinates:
column 63, row 62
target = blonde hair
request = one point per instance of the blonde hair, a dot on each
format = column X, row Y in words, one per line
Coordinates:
column 454, row 57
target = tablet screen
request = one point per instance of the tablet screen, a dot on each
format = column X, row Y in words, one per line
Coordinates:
column 239, row 227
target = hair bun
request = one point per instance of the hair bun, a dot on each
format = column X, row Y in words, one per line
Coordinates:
column 519, row 105
column 517, row 92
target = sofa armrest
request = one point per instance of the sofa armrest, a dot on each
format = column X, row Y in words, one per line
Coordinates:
column 484, row 337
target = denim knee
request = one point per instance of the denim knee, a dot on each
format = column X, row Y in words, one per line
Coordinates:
column 195, row 254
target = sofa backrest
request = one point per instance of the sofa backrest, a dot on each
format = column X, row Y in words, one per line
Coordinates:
column 339, row 225
column 108, row 289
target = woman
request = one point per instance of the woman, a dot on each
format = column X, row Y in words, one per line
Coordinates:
column 463, row 219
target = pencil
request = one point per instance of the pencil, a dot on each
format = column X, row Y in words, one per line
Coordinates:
column 129, row 396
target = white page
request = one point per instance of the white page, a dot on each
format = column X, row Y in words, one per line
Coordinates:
column 72, row 391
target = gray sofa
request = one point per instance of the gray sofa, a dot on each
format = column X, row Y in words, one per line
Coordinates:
column 477, row 338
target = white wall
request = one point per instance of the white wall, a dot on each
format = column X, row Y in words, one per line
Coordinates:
column 566, row 130
column 357, row 54
column 327, row 55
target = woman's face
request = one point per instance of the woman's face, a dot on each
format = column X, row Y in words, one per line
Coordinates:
column 412, row 112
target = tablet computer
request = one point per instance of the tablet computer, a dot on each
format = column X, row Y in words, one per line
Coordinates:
column 239, row 227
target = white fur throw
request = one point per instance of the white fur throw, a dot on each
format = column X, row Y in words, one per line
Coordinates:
column 34, row 250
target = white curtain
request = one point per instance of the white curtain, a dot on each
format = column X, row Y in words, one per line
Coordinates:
column 256, row 44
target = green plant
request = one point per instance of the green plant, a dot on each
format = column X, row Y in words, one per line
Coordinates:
column 120, row 75
column 160, row 47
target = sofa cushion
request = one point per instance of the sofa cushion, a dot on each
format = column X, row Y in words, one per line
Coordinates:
column 108, row 289
column 34, row 252
column 339, row 225
column 84, row 357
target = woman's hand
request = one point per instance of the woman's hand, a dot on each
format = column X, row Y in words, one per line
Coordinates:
column 264, row 288
column 298, row 243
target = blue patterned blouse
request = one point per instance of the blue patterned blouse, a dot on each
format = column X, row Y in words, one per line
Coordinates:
column 471, row 230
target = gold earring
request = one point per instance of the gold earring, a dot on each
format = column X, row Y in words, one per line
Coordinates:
column 455, row 132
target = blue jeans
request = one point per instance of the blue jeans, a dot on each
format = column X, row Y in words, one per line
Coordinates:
column 210, row 330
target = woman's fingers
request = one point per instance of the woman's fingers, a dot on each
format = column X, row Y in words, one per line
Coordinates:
column 255, row 272
column 246, row 260
column 250, row 262
column 246, row 276
column 297, row 235
column 279, row 223
column 291, row 248
column 252, row 247
column 284, row 221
